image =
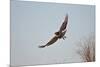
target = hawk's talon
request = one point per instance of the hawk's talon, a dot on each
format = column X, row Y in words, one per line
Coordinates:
column 64, row 37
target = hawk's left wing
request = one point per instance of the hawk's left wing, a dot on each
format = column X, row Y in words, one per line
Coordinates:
column 64, row 24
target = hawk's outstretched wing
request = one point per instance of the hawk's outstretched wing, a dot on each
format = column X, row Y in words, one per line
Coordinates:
column 53, row 40
column 62, row 32
column 64, row 24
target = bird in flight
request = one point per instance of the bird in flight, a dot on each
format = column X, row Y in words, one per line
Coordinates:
column 59, row 34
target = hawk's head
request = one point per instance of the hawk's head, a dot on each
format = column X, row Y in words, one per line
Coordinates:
column 56, row 33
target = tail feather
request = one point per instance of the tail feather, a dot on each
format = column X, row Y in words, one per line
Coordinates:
column 42, row 46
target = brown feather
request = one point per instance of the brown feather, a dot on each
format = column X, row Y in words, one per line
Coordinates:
column 53, row 40
column 64, row 24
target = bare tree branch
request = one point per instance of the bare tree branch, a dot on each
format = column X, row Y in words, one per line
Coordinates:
column 87, row 49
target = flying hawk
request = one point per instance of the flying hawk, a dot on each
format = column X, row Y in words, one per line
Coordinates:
column 58, row 35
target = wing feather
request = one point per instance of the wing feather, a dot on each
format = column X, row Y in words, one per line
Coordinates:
column 64, row 24
column 53, row 40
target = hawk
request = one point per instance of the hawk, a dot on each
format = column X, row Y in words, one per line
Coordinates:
column 59, row 34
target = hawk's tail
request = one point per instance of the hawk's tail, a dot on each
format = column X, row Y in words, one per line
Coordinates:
column 42, row 46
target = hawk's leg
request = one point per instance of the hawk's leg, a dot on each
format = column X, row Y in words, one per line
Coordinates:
column 64, row 37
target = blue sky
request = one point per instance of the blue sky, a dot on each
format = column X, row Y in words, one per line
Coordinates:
column 34, row 24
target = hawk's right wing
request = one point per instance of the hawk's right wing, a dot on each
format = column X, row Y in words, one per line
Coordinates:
column 53, row 40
